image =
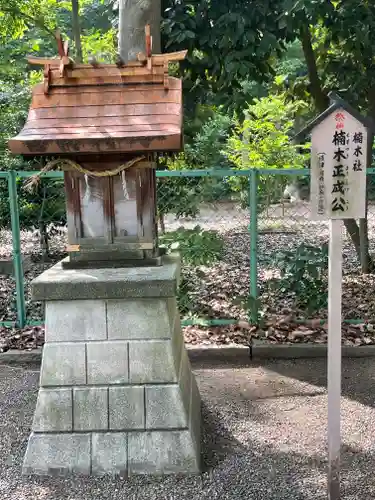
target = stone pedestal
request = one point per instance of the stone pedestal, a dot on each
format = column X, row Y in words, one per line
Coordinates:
column 117, row 394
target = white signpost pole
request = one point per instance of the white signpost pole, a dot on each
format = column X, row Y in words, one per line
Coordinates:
column 338, row 191
column 334, row 356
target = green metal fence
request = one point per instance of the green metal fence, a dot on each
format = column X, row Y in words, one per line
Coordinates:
column 255, row 222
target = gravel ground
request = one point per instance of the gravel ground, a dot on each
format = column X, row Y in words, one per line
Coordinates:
column 264, row 437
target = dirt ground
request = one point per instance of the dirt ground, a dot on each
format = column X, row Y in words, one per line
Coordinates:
column 217, row 291
column 264, row 436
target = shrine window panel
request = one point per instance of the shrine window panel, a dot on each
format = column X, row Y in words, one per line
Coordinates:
column 73, row 208
column 125, row 203
column 148, row 206
column 92, row 209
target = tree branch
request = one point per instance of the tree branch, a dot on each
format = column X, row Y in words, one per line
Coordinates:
column 320, row 98
column 36, row 22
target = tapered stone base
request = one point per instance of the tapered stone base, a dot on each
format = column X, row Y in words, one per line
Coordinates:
column 117, row 394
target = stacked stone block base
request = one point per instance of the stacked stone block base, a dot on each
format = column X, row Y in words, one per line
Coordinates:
column 117, row 394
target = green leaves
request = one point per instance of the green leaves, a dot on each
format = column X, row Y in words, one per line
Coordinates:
column 178, row 195
column 18, row 16
column 196, row 246
column 205, row 149
column 345, row 49
column 102, row 45
column 263, row 139
column 29, row 26
column 238, row 36
column 303, row 274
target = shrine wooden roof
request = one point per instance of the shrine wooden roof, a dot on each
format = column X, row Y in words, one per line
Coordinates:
column 105, row 109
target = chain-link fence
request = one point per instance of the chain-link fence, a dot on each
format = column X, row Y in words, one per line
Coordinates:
column 292, row 252
column 248, row 246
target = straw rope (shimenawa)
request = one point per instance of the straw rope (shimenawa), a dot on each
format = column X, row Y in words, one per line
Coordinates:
column 62, row 163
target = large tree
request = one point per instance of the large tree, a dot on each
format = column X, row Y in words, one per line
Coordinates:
column 234, row 39
column 338, row 41
column 133, row 17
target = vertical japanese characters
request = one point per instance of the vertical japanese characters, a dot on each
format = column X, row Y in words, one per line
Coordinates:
column 341, row 140
column 343, row 161
column 338, row 166
column 358, row 153
column 321, row 188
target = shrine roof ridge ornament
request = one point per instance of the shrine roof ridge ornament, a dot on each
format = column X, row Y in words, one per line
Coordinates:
column 336, row 103
column 104, row 108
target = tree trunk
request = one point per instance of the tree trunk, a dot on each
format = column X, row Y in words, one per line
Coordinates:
column 363, row 238
column 134, row 15
column 161, row 223
column 321, row 100
column 367, row 265
column 44, row 244
column 76, row 30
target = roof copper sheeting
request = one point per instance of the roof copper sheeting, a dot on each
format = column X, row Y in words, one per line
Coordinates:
column 86, row 112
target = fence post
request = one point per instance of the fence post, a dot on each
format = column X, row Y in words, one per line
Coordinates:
column 17, row 256
column 253, row 206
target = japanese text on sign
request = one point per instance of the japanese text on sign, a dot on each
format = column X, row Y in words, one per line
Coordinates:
column 321, row 204
column 340, row 172
column 338, row 167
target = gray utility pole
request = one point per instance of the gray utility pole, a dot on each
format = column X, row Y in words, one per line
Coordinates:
column 134, row 15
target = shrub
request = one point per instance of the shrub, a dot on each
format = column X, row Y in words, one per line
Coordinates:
column 197, row 248
column 303, row 273
column 263, row 141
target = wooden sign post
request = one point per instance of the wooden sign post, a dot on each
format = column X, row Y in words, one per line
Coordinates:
column 338, row 191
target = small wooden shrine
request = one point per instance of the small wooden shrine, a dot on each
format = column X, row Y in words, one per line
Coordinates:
column 104, row 125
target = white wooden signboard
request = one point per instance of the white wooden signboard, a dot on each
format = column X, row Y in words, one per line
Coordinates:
column 338, row 167
column 338, row 191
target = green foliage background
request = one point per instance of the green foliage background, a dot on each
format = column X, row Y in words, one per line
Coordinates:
column 255, row 68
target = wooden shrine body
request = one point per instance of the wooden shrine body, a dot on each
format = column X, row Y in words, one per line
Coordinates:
column 111, row 220
column 106, row 123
